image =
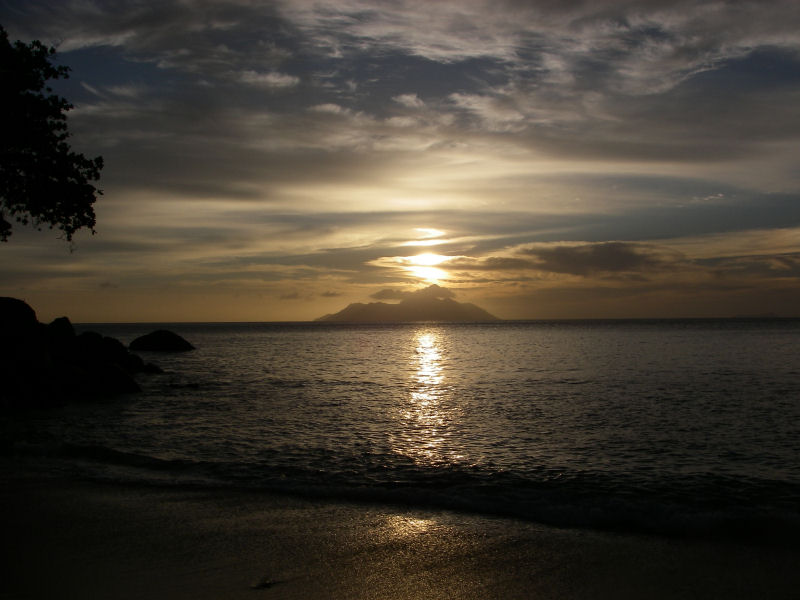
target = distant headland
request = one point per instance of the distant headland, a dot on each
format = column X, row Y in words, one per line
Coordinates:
column 433, row 303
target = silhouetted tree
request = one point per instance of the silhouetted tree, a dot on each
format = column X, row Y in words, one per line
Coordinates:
column 42, row 182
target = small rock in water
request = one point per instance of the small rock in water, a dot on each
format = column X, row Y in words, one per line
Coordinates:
column 161, row 340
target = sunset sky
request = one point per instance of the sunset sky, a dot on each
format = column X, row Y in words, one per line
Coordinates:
column 542, row 159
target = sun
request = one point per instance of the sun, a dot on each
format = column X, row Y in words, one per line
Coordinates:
column 427, row 260
column 429, row 274
column 423, row 266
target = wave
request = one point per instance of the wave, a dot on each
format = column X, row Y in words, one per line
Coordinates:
column 752, row 511
column 278, row 382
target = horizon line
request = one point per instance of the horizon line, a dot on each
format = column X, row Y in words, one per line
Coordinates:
column 755, row 317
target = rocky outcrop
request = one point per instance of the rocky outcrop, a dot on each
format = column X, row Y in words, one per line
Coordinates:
column 161, row 340
column 49, row 364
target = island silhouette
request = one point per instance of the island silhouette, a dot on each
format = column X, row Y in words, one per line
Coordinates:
column 433, row 303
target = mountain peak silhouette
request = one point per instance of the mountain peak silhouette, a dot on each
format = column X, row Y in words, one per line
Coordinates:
column 433, row 303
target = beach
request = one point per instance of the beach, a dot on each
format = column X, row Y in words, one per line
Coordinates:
column 78, row 539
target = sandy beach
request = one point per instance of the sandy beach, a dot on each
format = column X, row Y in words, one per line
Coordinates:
column 69, row 539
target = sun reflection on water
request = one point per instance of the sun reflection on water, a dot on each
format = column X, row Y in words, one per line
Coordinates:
column 429, row 368
column 426, row 418
column 403, row 526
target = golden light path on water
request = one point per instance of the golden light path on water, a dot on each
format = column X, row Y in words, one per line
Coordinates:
column 427, row 417
column 424, row 423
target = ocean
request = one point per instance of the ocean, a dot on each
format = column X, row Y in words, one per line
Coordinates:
column 674, row 427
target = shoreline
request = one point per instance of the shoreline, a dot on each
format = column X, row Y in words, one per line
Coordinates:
column 81, row 539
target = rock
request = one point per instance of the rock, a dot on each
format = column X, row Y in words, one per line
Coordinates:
column 24, row 361
column 112, row 379
column 161, row 340
column 90, row 346
column 60, row 329
column 61, row 339
column 132, row 363
column 16, row 318
column 116, row 352
column 20, row 332
column 48, row 365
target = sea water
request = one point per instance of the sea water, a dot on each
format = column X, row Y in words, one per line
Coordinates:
column 680, row 426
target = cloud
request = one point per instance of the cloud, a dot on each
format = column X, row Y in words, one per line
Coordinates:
column 490, row 263
column 579, row 81
column 390, row 294
column 328, row 107
column 644, row 47
column 409, row 100
column 764, row 266
column 441, row 31
column 495, row 113
column 269, row 80
column 432, row 291
column 588, row 259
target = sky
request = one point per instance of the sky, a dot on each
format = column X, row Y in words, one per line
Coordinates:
column 269, row 161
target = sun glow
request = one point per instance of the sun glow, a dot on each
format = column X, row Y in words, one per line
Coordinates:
column 427, row 237
column 423, row 266
column 430, row 274
column 429, row 232
column 427, row 259
column 425, row 243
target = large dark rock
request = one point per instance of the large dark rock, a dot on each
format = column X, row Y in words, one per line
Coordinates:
column 20, row 331
column 23, row 354
column 16, row 317
column 90, row 347
column 60, row 329
column 112, row 378
column 161, row 340
column 61, row 339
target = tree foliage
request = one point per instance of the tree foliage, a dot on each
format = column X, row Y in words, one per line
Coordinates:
column 42, row 181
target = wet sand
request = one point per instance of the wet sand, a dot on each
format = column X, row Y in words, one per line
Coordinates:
column 67, row 539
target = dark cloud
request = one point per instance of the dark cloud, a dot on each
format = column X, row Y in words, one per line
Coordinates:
column 432, row 291
column 595, row 258
column 671, row 299
column 772, row 266
column 491, row 263
column 576, row 259
column 729, row 111
column 643, row 82
column 664, row 81
column 389, row 294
